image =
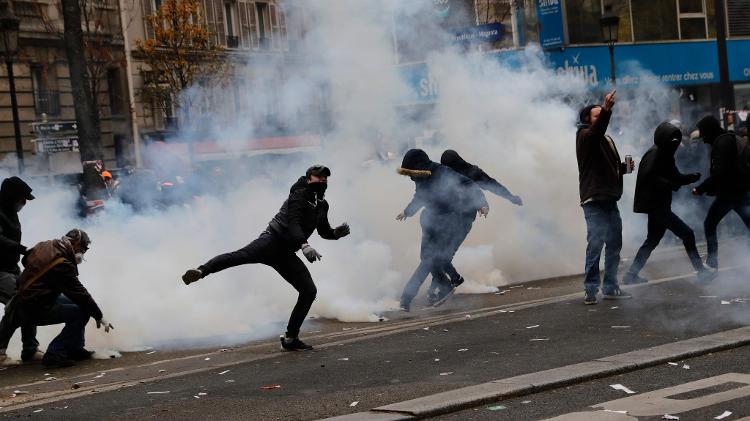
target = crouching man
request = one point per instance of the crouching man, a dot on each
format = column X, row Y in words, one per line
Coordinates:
column 50, row 293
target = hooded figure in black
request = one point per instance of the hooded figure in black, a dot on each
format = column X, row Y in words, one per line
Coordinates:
column 448, row 198
column 14, row 193
column 726, row 182
column 658, row 177
column 305, row 211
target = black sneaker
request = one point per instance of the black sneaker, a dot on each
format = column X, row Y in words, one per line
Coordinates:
column 191, row 276
column 56, row 361
column 457, row 282
column 589, row 299
column 633, row 278
column 81, row 354
column 294, row 344
column 707, row 274
column 617, row 294
column 442, row 297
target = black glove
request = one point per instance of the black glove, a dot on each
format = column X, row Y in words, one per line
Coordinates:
column 341, row 230
column 310, row 253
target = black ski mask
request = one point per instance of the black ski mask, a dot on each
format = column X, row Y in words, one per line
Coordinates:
column 319, row 188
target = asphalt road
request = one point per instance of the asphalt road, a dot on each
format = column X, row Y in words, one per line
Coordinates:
column 581, row 397
column 425, row 358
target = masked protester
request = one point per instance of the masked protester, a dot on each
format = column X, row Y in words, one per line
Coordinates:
column 14, row 193
column 452, row 159
column 447, row 198
column 600, row 172
column 302, row 213
column 727, row 182
column 658, row 177
column 50, row 293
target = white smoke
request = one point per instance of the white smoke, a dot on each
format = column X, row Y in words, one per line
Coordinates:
column 513, row 122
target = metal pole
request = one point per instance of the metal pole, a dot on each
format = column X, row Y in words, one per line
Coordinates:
column 612, row 63
column 131, row 96
column 14, row 110
column 727, row 94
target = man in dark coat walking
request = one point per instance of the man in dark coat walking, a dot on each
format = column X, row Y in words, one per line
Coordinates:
column 600, row 174
column 14, row 193
column 658, row 176
column 726, row 182
column 447, row 198
column 301, row 214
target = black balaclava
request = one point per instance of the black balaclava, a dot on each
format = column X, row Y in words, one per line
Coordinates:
column 710, row 128
column 584, row 116
column 14, row 190
column 452, row 159
column 319, row 187
column 667, row 137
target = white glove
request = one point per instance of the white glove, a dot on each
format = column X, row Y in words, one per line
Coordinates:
column 107, row 325
column 310, row 253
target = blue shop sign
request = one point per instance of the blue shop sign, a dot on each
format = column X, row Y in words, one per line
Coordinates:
column 481, row 33
column 739, row 60
column 549, row 13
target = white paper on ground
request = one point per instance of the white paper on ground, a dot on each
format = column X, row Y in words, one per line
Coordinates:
column 723, row 415
column 622, row 388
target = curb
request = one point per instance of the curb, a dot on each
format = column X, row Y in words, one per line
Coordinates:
column 467, row 397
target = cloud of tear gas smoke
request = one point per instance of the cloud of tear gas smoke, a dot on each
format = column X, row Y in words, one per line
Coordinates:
column 514, row 123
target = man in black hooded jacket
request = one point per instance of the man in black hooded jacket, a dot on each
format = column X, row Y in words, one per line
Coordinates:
column 447, row 197
column 302, row 213
column 731, row 188
column 453, row 160
column 658, row 176
column 14, row 193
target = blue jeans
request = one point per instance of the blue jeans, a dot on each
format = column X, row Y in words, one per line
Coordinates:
column 604, row 228
column 71, row 338
column 718, row 210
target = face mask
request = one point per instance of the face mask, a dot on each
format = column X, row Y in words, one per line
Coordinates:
column 79, row 258
column 19, row 206
column 319, row 188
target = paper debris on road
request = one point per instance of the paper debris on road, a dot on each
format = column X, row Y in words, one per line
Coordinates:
column 49, row 379
column 539, row 339
column 158, row 393
column 725, row 302
column 344, row 359
column 207, row 359
column 447, row 373
column 616, row 411
column 162, row 371
column 723, row 415
column 615, row 307
column 100, row 375
column 622, row 388
column 686, row 367
column 437, row 359
column 20, row 392
column 354, row 403
column 229, row 381
column 224, row 350
column 708, row 296
column 38, row 411
column 445, row 330
column 532, row 327
column 496, row 408
column 271, row 387
column 670, row 417
column 468, row 316
column 675, row 364
column 526, row 402
column 152, row 352
column 620, row 327
column 202, row 393
column 534, row 288
column 426, row 328
column 463, row 349
column 224, row 372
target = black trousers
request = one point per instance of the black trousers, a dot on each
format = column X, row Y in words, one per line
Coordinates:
column 658, row 224
column 458, row 235
column 272, row 251
column 718, row 210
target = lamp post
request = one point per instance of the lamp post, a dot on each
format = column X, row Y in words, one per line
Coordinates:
column 9, row 25
column 610, row 24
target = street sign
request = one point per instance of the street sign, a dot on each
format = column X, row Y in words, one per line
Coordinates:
column 54, row 145
column 54, row 127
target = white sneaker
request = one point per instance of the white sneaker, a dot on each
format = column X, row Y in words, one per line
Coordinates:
column 6, row 361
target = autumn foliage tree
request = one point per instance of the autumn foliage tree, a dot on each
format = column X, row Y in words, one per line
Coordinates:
column 179, row 56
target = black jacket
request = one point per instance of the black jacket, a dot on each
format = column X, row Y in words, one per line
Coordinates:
column 301, row 214
column 600, row 169
column 658, row 175
column 10, row 229
column 453, row 160
column 439, row 189
column 725, row 180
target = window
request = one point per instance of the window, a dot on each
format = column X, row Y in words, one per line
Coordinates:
column 233, row 41
column 249, row 26
column 114, row 90
column 738, row 14
column 692, row 19
column 654, row 20
column 44, row 84
column 264, row 31
column 583, row 21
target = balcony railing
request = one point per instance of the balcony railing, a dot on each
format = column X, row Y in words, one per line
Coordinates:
column 47, row 102
column 233, row 41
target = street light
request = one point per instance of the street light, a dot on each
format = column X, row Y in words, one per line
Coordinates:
column 610, row 24
column 9, row 25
